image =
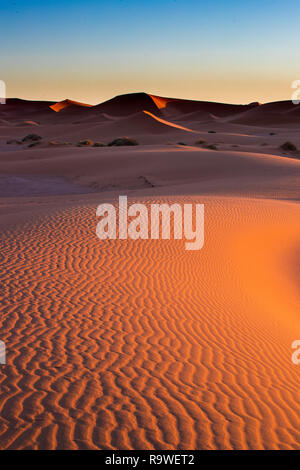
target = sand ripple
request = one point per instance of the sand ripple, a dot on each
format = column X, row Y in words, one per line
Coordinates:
column 141, row 344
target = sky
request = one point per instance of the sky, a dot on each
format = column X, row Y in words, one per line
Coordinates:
column 229, row 51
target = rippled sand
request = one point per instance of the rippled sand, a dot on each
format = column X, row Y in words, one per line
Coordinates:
column 141, row 344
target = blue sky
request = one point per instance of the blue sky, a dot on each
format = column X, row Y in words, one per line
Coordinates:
column 234, row 51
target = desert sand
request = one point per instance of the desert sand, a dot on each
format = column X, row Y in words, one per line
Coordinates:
column 123, row 344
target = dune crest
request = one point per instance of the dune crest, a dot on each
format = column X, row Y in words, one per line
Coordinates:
column 121, row 355
column 59, row 106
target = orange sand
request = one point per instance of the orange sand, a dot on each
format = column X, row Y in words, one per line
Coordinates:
column 140, row 344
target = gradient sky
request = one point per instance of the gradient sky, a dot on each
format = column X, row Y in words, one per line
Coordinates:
column 231, row 51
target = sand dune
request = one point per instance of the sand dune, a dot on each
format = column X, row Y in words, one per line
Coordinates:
column 18, row 108
column 108, row 352
column 123, row 344
column 167, row 123
column 283, row 113
column 196, row 169
column 181, row 106
column 69, row 111
column 139, row 124
column 67, row 104
column 124, row 105
column 17, row 112
column 142, row 122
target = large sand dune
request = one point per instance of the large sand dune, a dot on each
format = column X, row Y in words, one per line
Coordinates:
column 123, row 344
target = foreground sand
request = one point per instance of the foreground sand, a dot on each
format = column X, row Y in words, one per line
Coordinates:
column 141, row 344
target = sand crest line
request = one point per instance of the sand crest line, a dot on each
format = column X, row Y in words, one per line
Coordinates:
column 160, row 218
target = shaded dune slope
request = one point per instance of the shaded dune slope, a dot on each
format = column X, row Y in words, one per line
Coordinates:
column 124, row 105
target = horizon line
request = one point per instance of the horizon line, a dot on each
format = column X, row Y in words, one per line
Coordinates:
column 148, row 94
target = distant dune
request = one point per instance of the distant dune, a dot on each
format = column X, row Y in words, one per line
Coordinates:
column 269, row 114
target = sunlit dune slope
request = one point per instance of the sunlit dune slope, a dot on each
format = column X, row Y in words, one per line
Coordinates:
column 168, row 123
column 62, row 105
column 160, row 101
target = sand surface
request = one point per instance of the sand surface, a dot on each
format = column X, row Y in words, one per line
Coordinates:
column 123, row 344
